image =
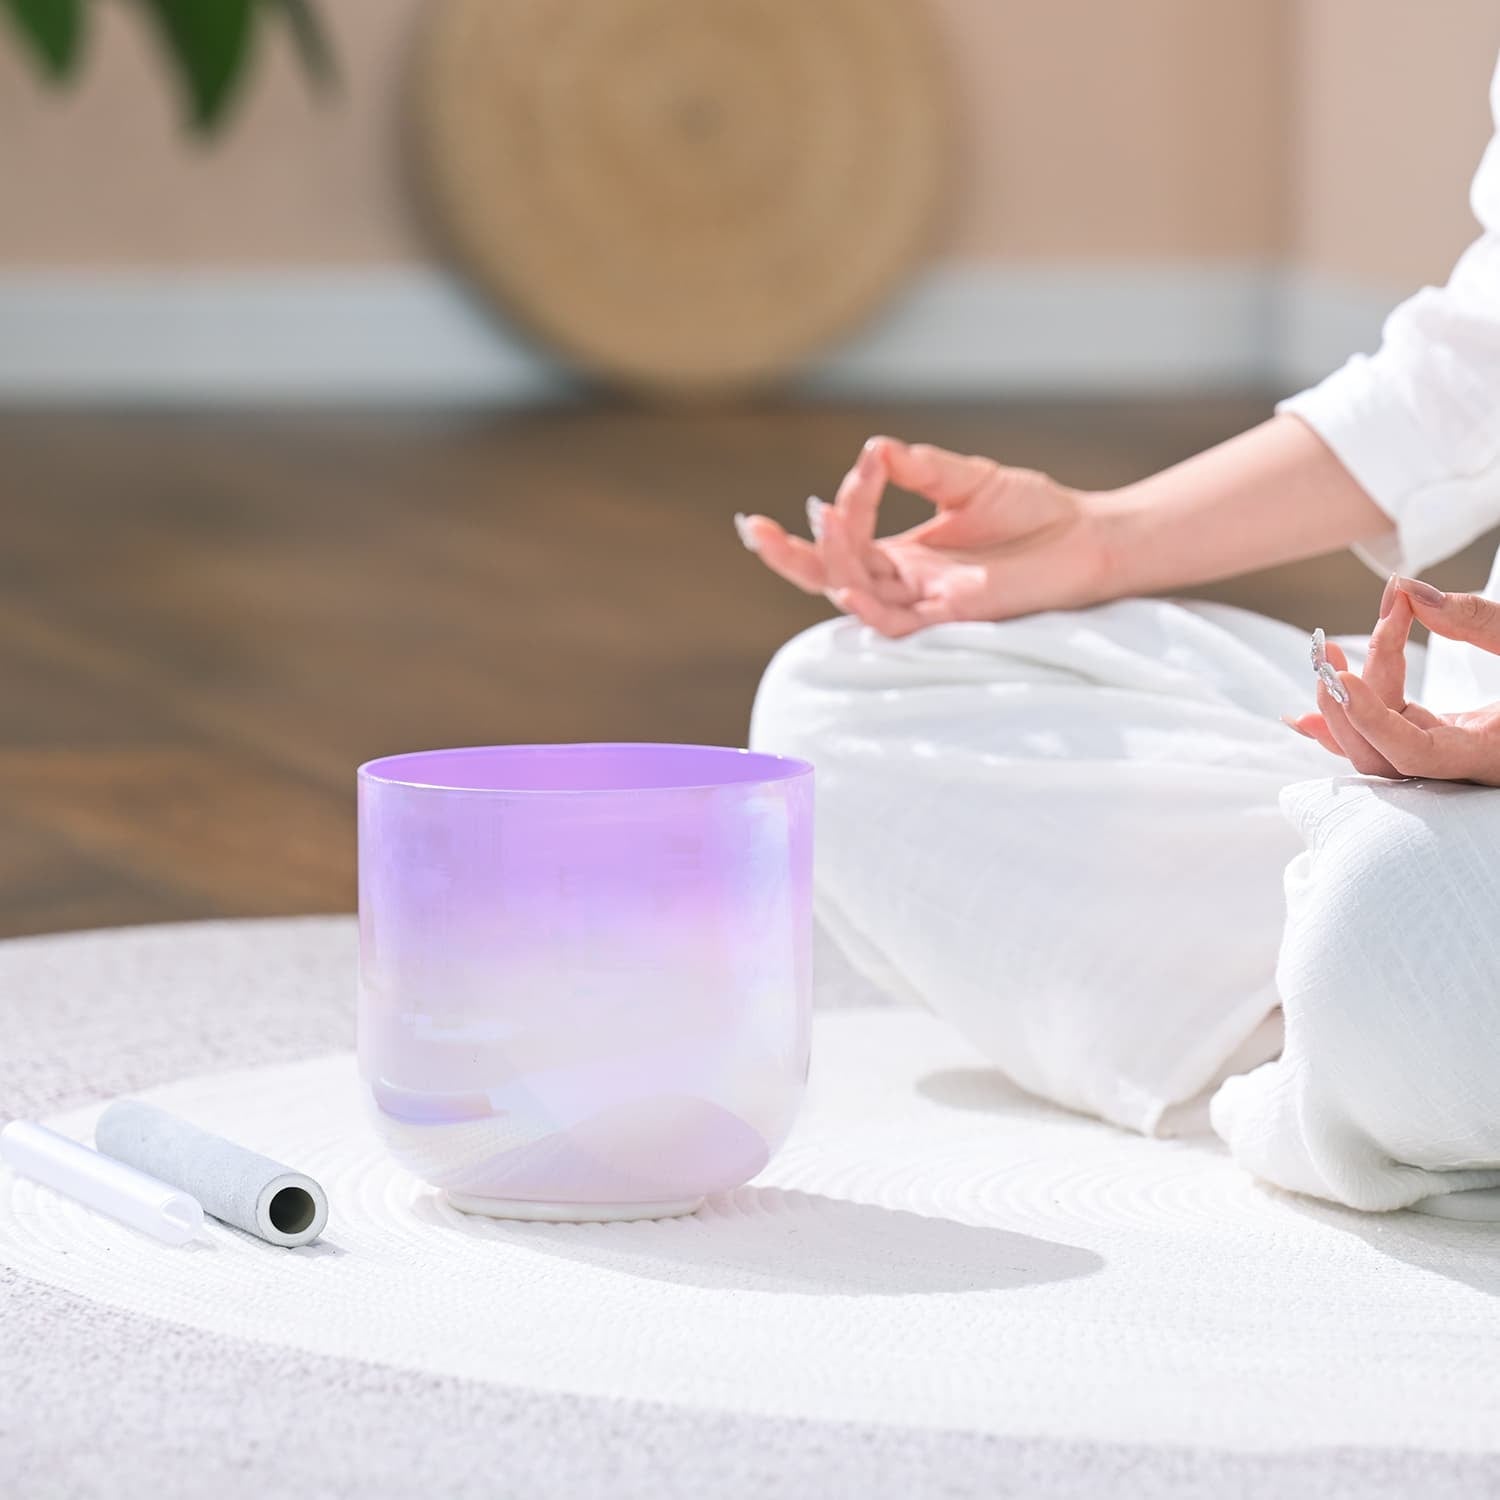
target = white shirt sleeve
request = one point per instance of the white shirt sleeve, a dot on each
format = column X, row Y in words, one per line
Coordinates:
column 1418, row 423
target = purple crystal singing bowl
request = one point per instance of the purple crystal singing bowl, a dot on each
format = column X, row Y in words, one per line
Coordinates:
column 585, row 971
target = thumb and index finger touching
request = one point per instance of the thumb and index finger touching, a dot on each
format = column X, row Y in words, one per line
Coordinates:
column 1371, row 718
column 1470, row 618
column 944, row 479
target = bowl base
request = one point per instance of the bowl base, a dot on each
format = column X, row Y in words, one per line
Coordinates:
column 570, row 1213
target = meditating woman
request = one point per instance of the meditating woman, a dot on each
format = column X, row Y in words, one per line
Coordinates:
column 1102, row 833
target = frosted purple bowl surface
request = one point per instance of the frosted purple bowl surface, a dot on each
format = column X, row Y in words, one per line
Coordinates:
column 585, row 970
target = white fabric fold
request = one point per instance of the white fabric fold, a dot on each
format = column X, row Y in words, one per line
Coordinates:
column 1066, row 834
column 1060, row 832
column 1389, row 977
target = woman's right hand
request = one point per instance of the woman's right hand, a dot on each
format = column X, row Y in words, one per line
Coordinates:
column 1004, row 542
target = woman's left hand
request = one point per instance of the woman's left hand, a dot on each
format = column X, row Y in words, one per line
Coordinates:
column 1376, row 728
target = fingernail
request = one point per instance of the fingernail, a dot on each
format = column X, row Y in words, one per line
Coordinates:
column 746, row 536
column 1319, row 652
column 1330, row 679
column 1419, row 590
column 1388, row 598
column 1294, row 726
column 815, row 509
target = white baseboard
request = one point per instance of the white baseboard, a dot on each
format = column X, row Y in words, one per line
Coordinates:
column 1321, row 321
column 977, row 330
column 343, row 336
column 414, row 336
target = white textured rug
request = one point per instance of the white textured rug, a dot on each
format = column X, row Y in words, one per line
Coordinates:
column 988, row 1295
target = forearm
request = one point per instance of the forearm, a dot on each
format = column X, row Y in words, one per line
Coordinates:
column 1271, row 495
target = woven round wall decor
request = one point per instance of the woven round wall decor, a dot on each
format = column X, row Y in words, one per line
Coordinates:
column 684, row 196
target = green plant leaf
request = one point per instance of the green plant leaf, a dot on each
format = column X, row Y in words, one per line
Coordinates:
column 310, row 38
column 208, row 42
column 54, row 29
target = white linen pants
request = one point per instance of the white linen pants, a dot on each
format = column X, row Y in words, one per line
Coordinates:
column 1064, row 834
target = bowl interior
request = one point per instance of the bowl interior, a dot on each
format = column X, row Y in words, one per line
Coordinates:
column 582, row 768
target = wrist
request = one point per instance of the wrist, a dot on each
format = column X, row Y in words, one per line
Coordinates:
column 1272, row 495
column 1117, row 521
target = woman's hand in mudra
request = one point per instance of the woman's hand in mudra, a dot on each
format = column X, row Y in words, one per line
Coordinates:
column 1003, row 542
column 1376, row 728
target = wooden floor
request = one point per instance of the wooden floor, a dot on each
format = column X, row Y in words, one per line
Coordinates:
column 206, row 623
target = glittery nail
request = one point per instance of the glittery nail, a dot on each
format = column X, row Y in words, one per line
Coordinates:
column 1330, row 679
column 1319, row 649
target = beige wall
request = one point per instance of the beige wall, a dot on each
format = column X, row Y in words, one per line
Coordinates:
column 1105, row 128
column 1391, row 114
column 102, row 175
column 1091, row 128
column 1342, row 130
